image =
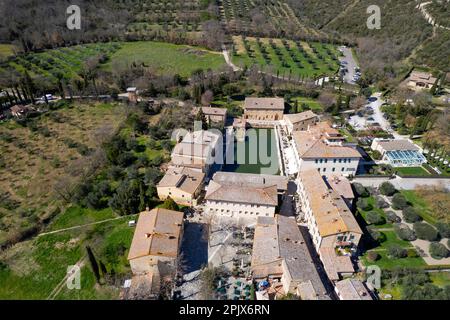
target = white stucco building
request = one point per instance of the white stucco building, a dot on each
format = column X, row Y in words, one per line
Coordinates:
column 321, row 147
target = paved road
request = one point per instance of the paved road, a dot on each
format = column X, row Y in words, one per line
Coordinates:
column 351, row 64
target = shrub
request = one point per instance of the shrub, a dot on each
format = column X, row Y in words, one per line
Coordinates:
column 392, row 217
column 381, row 203
column 376, row 235
column 395, row 251
column 387, row 189
column 170, row 204
column 372, row 256
column 444, row 229
column 373, row 217
column 412, row 253
column 410, row 215
column 360, row 190
column 404, row 232
column 364, row 204
column 425, row 232
column 399, row 201
column 438, row 250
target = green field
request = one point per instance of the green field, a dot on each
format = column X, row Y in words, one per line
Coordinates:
column 286, row 58
column 33, row 269
column 75, row 216
column 412, row 171
column 371, row 201
column 313, row 104
column 166, row 58
column 68, row 63
column 65, row 62
column 386, row 263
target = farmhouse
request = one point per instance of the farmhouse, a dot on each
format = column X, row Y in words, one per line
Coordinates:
column 156, row 242
column 198, row 150
column 240, row 201
column 321, row 147
column 300, row 121
column 330, row 221
column 213, row 115
column 263, row 110
column 399, row 152
column 421, row 80
column 181, row 184
column 352, row 289
column 281, row 256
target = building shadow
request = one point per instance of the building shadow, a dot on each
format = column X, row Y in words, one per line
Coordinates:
column 194, row 248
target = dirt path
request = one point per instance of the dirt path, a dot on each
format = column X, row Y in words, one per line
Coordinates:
column 84, row 225
column 63, row 282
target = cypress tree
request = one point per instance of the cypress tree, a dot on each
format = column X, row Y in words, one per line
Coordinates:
column 94, row 264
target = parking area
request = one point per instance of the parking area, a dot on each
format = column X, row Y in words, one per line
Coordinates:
column 349, row 67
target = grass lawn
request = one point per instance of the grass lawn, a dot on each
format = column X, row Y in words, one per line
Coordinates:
column 412, row 171
column 371, row 200
column 421, row 205
column 386, row 263
column 392, row 239
column 313, row 104
column 166, row 58
column 34, row 268
column 75, row 216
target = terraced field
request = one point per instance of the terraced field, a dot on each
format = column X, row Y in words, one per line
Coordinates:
column 167, row 15
column 249, row 16
column 286, row 57
column 62, row 62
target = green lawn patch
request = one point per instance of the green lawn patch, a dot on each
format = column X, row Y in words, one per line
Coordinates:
column 75, row 216
column 386, row 263
column 371, row 201
column 422, row 207
column 313, row 104
column 412, row 171
column 166, row 58
column 392, row 239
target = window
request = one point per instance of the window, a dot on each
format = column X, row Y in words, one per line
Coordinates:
column 342, row 169
column 340, row 160
column 317, row 160
column 326, row 160
column 321, row 160
column 334, row 169
column 334, row 160
column 324, row 169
